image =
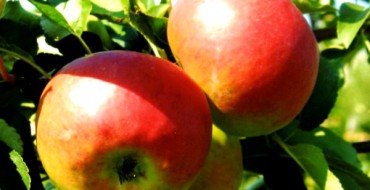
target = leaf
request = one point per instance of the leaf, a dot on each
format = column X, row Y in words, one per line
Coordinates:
column 152, row 28
column 52, row 14
column 53, row 30
column 109, row 6
column 310, row 158
column 68, row 18
column 15, row 12
column 261, row 156
column 98, row 28
column 10, row 137
column 339, row 154
column 144, row 5
column 310, row 6
column 349, row 176
column 11, row 31
column 19, row 53
column 111, row 9
column 333, row 145
column 21, row 168
column 312, row 161
column 351, row 19
column 76, row 13
column 2, row 5
column 324, row 95
column 159, row 10
column 126, row 4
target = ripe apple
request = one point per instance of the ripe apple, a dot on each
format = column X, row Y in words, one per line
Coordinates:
column 123, row 120
column 223, row 168
column 257, row 61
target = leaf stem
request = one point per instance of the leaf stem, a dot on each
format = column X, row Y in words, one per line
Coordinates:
column 157, row 51
column 86, row 47
column 277, row 139
column 29, row 61
column 110, row 18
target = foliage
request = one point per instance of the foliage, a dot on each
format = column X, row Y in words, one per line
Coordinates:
column 37, row 38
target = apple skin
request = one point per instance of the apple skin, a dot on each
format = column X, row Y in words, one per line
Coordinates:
column 257, row 61
column 223, row 169
column 123, row 120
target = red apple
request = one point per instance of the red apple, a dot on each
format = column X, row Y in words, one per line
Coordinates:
column 223, row 168
column 257, row 61
column 123, row 120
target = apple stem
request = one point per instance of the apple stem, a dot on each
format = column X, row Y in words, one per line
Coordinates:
column 128, row 169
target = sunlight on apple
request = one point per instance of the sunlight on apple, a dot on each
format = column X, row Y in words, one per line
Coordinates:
column 215, row 15
column 90, row 98
column 173, row 2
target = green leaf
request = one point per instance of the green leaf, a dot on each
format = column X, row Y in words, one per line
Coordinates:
column 351, row 19
column 76, row 13
column 144, row 5
column 2, row 5
column 310, row 158
column 12, row 30
column 68, row 18
column 98, row 28
column 333, row 145
column 324, row 95
column 53, row 30
column 109, row 6
column 311, row 6
column 152, row 28
column 15, row 12
column 52, row 14
column 108, row 9
column 351, row 178
column 19, row 53
column 126, row 4
column 159, row 10
column 21, row 168
column 10, row 137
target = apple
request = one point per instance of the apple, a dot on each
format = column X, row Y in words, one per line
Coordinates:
column 257, row 61
column 223, row 168
column 122, row 120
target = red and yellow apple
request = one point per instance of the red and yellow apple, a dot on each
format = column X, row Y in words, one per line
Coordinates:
column 257, row 61
column 224, row 165
column 123, row 120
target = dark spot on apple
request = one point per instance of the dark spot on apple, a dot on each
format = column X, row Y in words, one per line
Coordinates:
column 128, row 170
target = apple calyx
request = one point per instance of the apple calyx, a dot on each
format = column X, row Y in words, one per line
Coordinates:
column 129, row 169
